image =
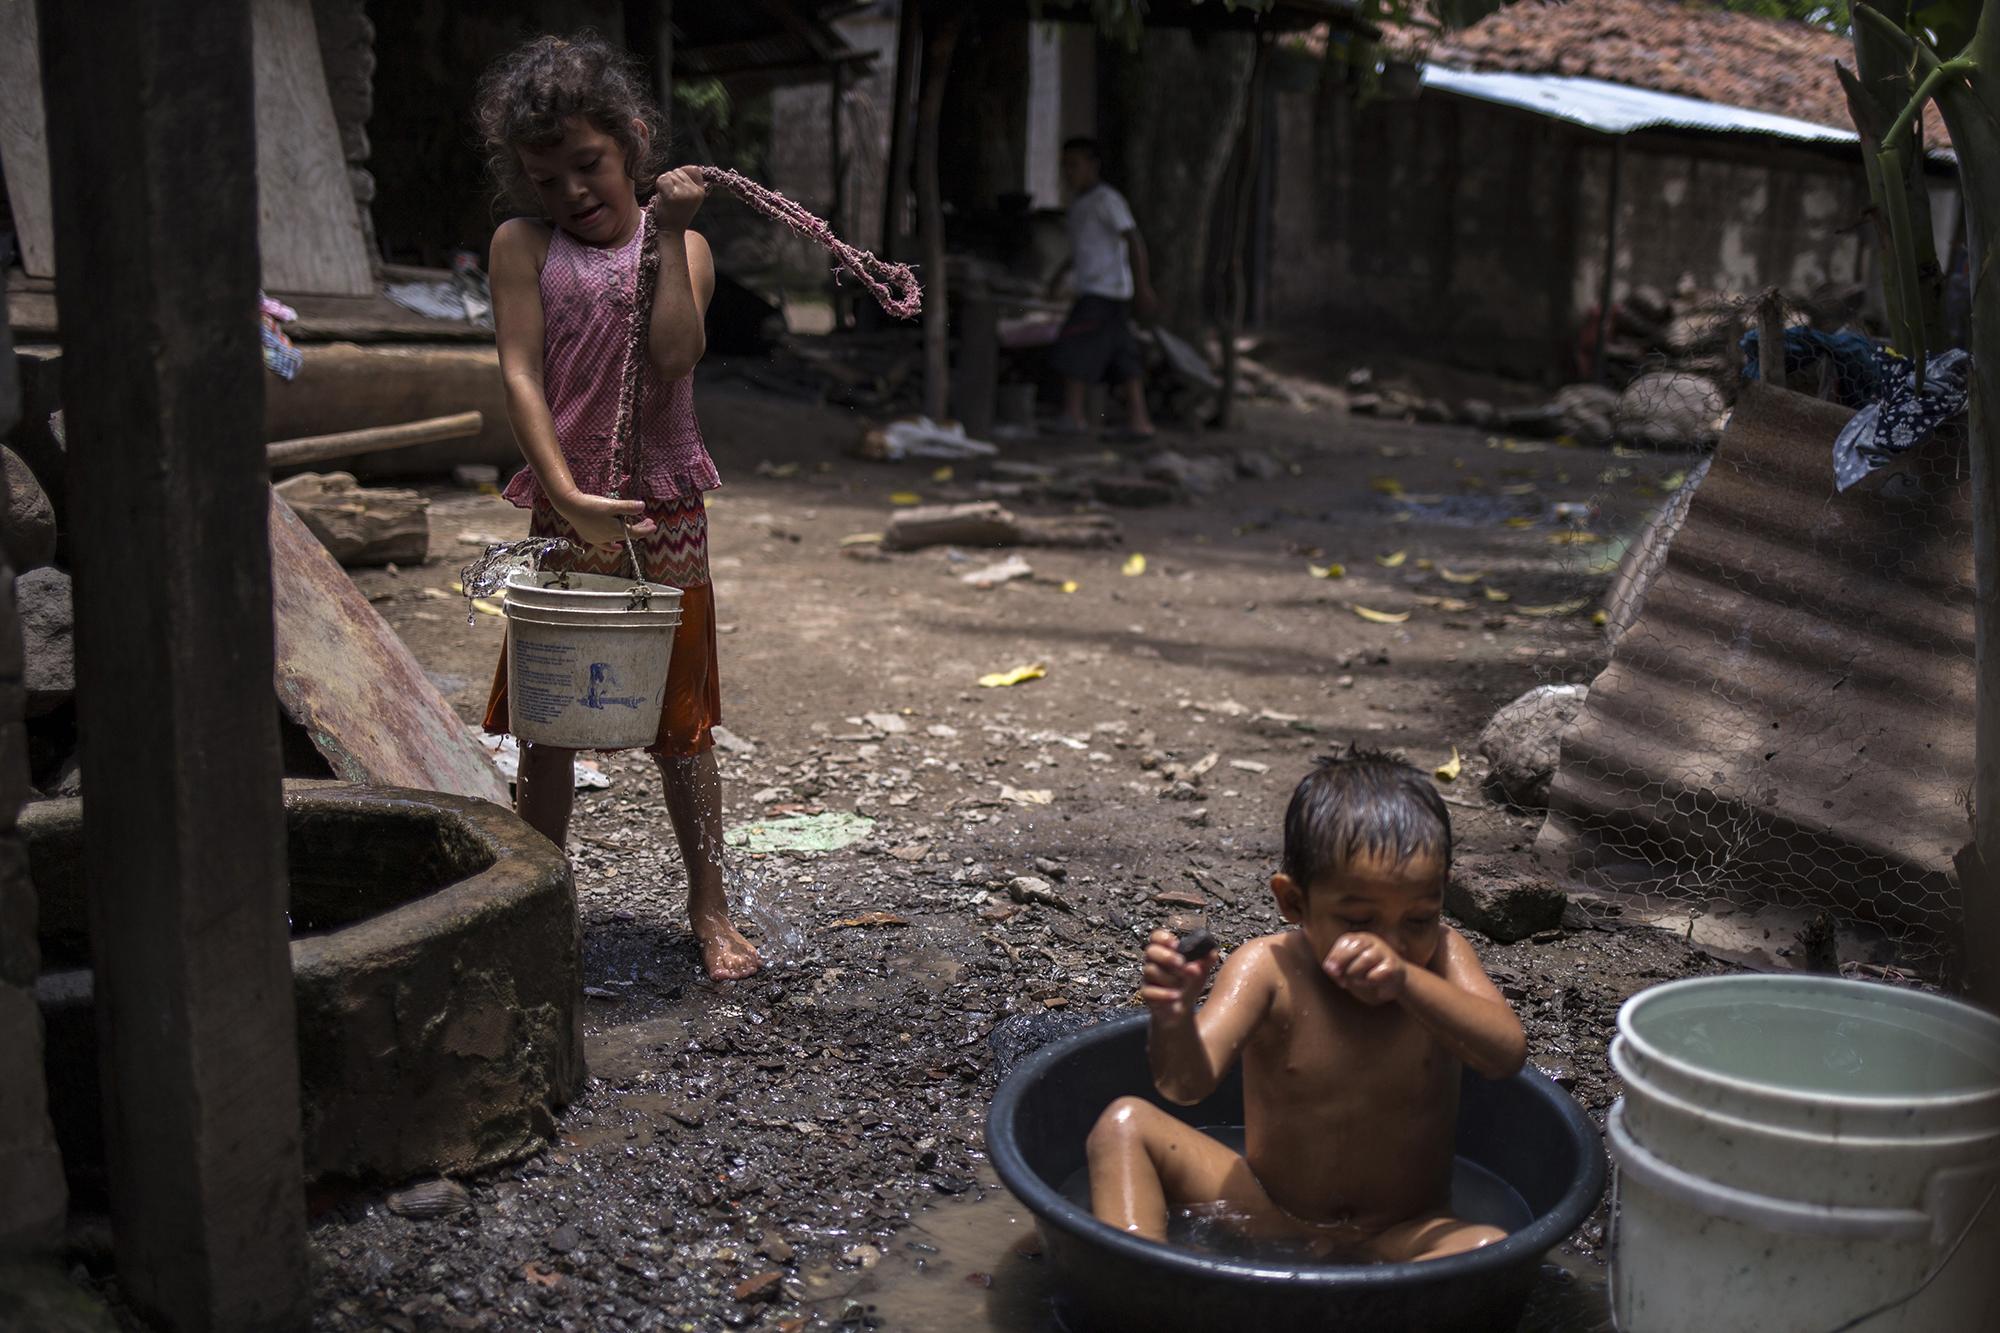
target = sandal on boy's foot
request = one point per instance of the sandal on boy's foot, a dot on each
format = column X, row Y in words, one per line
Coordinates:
column 1064, row 429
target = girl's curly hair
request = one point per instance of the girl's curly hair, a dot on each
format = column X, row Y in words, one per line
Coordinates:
column 526, row 95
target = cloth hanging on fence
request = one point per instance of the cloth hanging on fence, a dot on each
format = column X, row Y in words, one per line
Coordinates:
column 1903, row 416
column 1855, row 361
column 280, row 357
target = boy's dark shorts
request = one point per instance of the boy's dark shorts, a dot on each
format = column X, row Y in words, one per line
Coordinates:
column 1096, row 344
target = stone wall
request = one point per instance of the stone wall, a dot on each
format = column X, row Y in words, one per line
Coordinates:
column 1474, row 234
column 32, row 1195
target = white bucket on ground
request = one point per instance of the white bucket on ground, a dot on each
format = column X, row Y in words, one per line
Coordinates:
column 587, row 659
column 1804, row 1153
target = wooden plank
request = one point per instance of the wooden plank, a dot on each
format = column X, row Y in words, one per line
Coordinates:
column 152, row 150
column 373, row 439
column 308, row 227
column 24, row 148
column 345, row 676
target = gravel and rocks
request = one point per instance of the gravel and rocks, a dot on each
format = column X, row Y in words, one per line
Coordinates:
column 752, row 1154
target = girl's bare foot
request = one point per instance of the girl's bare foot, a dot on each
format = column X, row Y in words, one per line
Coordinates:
column 725, row 953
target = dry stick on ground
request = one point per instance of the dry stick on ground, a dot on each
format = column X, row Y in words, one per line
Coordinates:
column 1967, row 91
column 986, row 523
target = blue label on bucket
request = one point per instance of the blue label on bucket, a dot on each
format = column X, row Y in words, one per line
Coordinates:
column 603, row 679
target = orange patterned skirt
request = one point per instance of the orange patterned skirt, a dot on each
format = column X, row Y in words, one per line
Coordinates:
column 676, row 554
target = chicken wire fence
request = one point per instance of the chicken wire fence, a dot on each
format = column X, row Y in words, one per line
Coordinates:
column 1776, row 674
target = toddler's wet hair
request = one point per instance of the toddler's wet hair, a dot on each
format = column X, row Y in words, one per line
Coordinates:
column 1362, row 801
column 527, row 94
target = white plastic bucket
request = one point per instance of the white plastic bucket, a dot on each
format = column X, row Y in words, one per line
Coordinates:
column 1804, row 1153
column 587, row 659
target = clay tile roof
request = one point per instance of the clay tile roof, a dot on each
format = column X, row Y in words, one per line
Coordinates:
column 1735, row 59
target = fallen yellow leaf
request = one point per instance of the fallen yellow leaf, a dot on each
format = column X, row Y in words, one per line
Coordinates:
column 1445, row 603
column 1069, row 585
column 1380, row 617
column 1451, row 577
column 1519, row 488
column 1519, row 522
column 906, row 498
column 1674, row 481
column 1556, row 609
column 1495, row 595
column 1448, row 771
column 1334, row 571
column 942, row 474
column 1425, row 564
column 1135, row 565
column 862, row 539
column 1600, row 619
column 1392, row 560
column 1387, row 486
column 1020, row 674
column 484, row 607
column 1523, row 447
column 1573, row 538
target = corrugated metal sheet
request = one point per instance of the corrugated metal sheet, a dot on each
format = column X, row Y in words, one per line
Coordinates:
column 1616, row 108
column 1789, row 719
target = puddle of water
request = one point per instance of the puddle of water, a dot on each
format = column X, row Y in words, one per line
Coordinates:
column 975, row 1264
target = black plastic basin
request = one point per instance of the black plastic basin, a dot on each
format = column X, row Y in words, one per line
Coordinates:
column 1524, row 1129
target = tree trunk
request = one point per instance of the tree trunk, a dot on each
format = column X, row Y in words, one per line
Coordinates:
column 1882, row 86
column 1180, row 104
column 1251, row 159
column 1971, row 109
column 940, row 39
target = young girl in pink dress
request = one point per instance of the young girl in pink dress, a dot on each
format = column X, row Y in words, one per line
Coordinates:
column 569, row 129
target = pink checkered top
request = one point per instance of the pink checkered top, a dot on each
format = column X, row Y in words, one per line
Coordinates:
column 586, row 315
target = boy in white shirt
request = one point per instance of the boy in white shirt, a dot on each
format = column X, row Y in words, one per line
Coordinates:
column 1109, row 275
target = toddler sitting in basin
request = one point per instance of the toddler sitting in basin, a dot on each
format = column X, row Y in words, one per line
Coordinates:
column 1352, row 1029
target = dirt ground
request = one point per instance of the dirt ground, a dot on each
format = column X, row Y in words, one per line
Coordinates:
column 755, row 1153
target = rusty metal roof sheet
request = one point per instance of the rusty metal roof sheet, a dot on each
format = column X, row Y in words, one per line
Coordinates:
column 1789, row 719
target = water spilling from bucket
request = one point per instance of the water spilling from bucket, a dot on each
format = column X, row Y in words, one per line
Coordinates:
column 487, row 576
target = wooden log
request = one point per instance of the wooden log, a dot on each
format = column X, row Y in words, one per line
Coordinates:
column 371, row 440
column 360, row 525
column 987, row 523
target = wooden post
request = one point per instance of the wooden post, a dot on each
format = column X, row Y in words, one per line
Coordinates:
column 978, row 377
column 1607, row 286
column 836, row 211
column 184, row 834
column 1250, row 164
column 1771, row 338
column 940, row 38
column 896, row 186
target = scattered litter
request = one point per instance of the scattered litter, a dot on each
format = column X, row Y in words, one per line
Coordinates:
column 1249, row 766
column 727, row 740
column 1379, row 617
column 801, row 833
column 1135, row 565
column 1019, row 675
column 1019, row 796
column 1449, row 770
column 505, row 752
column 868, row 921
column 1392, row 560
column 430, row 1199
column 1569, row 608
column 920, row 437
column 992, row 576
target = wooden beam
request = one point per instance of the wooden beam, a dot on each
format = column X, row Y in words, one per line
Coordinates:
column 184, row 834
column 940, row 40
column 896, row 186
column 373, row 440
